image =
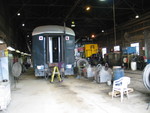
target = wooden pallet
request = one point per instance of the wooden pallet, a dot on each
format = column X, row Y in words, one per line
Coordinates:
column 117, row 93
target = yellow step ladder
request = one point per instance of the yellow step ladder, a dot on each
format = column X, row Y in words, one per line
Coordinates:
column 55, row 71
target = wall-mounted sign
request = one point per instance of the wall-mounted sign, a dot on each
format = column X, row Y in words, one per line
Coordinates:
column 40, row 37
column 67, row 37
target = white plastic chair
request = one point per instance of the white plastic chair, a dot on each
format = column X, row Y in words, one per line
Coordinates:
column 121, row 85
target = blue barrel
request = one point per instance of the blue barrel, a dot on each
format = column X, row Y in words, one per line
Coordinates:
column 148, row 61
column 118, row 72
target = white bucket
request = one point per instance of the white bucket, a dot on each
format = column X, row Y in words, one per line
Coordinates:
column 109, row 83
column 133, row 66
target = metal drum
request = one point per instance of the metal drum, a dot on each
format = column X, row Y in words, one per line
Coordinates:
column 118, row 72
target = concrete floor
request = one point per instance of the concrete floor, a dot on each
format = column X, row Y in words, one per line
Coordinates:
column 36, row 95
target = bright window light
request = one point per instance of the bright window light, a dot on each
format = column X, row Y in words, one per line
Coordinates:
column 116, row 48
column 104, row 51
column 137, row 47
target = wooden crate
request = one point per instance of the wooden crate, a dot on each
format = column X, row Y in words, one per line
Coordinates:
column 117, row 93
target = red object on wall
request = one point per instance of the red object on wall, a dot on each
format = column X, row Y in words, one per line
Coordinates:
column 15, row 59
column 81, row 49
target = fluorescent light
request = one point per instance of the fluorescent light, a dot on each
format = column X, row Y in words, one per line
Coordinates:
column 27, row 54
column 17, row 51
column 1, row 41
column 10, row 48
column 102, row 0
column 22, row 53
column 72, row 25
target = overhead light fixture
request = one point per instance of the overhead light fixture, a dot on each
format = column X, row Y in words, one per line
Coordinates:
column 102, row 0
column 102, row 31
column 88, row 8
column 1, row 41
column 72, row 25
column 22, row 53
column 137, row 16
column 27, row 54
column 28, row 36
column 17, row 51
column 10, row 48
column 23, row 24
column 18, row 14
column 93, row 36
column 72, row 22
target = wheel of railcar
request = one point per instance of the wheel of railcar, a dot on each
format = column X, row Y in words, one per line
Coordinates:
column 146, row 77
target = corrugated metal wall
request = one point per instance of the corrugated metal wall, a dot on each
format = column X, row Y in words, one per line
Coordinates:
column 130, row 32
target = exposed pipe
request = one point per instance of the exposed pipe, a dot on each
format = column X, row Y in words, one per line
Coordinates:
column 141, row 29
column 114, row 19
column 144, row 17
column 74, row 6
column 130, row 7
column 128, row 27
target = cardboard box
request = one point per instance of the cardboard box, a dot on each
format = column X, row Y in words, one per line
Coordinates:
column 3, row 46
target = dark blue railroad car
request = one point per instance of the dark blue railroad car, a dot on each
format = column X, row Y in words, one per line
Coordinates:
column 53, row 45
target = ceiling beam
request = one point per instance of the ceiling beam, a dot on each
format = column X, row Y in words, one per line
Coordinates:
column 60, row 18
column 71, row 10
column 53, row 5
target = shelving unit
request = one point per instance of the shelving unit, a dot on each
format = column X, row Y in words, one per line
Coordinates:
column 5, row 92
